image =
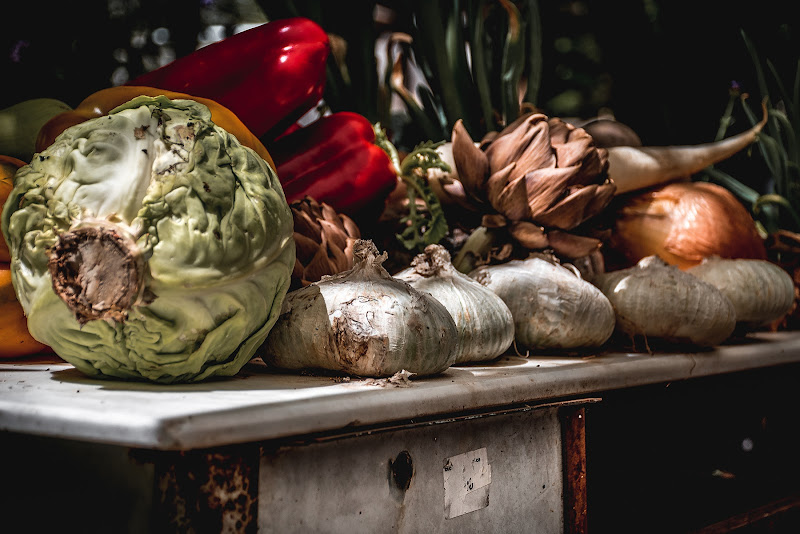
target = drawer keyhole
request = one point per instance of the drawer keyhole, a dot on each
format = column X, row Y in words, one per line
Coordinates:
column 402, row 470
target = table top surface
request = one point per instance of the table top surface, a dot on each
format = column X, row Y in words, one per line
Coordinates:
column 48, row 397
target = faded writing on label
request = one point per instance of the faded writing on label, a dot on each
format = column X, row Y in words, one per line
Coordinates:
column 466, row 483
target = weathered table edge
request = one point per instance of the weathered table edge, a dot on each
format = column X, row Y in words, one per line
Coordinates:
column 49, row 407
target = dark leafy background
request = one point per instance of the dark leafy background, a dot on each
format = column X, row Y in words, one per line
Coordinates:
column 663, row 67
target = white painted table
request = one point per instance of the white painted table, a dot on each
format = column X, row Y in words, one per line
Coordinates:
column 299, row 453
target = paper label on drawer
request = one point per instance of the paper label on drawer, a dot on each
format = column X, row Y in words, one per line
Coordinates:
column 466, row 483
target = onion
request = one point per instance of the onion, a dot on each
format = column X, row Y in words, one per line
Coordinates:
column 682, row 223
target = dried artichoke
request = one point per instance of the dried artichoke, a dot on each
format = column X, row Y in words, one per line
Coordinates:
column 540, row 178
column 324, row 241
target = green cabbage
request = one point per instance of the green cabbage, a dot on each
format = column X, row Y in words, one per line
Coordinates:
column 204, row 218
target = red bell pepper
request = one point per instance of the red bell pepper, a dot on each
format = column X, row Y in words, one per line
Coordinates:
column 336, row 160
column 269, row 76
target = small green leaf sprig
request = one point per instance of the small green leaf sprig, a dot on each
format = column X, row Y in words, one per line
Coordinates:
column 428, row 227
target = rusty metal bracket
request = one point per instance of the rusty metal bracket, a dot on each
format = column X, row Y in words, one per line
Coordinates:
column 573, row 440
column 202, row 491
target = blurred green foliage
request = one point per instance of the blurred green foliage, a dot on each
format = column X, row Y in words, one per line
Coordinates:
column 662, row 67
column 775, row 200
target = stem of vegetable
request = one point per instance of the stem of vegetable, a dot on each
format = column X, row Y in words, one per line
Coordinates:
column 98, row 271
column 382, row 141
column 727, row 116
column 477, row 245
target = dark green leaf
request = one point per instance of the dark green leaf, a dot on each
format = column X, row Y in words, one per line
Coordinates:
column 456, row 48
column 513, row 62
column 534, row 56
column 435, row 113
column 775, row 159
column 726, row 118
column 744, row 193
column 480, row 62
column 796, row 97
column 762, row 83
column 789, row 136
column 430, row 45
column 780, row 201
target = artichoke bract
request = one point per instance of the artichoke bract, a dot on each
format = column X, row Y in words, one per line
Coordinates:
column 150, row 244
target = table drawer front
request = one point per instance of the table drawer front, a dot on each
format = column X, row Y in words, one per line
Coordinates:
column 395, row 481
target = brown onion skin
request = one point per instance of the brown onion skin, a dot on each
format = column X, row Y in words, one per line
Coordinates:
column 682, row 223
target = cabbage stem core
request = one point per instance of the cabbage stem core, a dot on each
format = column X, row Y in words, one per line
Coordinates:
column 97, row 271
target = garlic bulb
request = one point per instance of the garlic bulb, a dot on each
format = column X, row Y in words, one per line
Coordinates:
column 654, row 299
column 759, row 290
column 362, row 322
column 484, row 322
column 552, row 306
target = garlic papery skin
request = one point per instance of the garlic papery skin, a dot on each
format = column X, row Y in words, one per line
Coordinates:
column 362, row 322
column 657, row 300
column 553, row 308
column 484, row 322
column 760, row 291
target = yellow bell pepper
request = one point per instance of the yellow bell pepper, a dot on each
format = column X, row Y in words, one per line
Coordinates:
column 100, row 103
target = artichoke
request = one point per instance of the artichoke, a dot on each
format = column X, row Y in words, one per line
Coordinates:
column 539, row 179
column 324, row 241
column 150, row 244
